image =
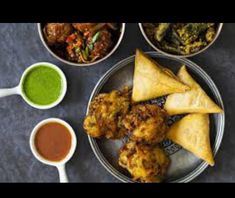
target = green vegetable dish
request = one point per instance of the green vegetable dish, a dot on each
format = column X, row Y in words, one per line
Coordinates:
column 180, row 38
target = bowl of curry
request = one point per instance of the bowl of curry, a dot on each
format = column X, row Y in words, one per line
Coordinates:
column 81, row 44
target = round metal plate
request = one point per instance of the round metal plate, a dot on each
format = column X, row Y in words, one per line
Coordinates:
column 184, row 165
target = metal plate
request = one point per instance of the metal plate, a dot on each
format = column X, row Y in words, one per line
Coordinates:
column 184, row 165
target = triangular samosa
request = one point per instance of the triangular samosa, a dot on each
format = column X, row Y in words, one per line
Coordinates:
column 152, row 81
column 192, row 133
column 194, row 100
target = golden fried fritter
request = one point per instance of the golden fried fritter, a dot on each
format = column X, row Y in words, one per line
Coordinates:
column 146, row 123
column 106, row 113
column 145, row 163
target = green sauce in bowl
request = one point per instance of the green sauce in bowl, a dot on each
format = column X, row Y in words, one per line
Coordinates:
column 42, row 85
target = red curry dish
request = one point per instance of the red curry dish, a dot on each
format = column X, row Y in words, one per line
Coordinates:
column 81, row 42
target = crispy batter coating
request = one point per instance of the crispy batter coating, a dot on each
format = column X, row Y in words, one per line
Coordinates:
column 146, row 123
column 145, row 163
column 106, row 113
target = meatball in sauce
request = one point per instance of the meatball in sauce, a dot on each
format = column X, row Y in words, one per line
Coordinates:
column 81, row 42
column 57, row 32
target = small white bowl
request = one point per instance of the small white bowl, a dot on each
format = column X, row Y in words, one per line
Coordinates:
column 19, row 89
column 60, row 164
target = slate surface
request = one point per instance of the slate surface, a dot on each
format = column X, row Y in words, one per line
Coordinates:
column 21, row 47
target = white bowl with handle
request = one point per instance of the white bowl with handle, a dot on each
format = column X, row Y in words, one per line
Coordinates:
column 60, row 165
column 18, row 90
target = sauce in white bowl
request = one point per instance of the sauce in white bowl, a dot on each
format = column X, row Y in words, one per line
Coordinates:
column 53, row 142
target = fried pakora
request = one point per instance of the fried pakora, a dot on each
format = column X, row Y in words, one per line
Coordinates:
column 146, row 123
column 106, row 113
column 144, row 163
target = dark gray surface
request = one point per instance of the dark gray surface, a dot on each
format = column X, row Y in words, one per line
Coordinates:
column 21, row 47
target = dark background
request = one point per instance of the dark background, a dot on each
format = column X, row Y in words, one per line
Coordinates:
column 20, row 47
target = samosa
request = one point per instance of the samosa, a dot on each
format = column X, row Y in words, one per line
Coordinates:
column 192, row 133
column 194, row 100
column 152, row 80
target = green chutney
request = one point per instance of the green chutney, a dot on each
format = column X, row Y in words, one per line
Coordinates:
column 42, row 85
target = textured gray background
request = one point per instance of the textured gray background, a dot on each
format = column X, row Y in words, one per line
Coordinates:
column 20, row 47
